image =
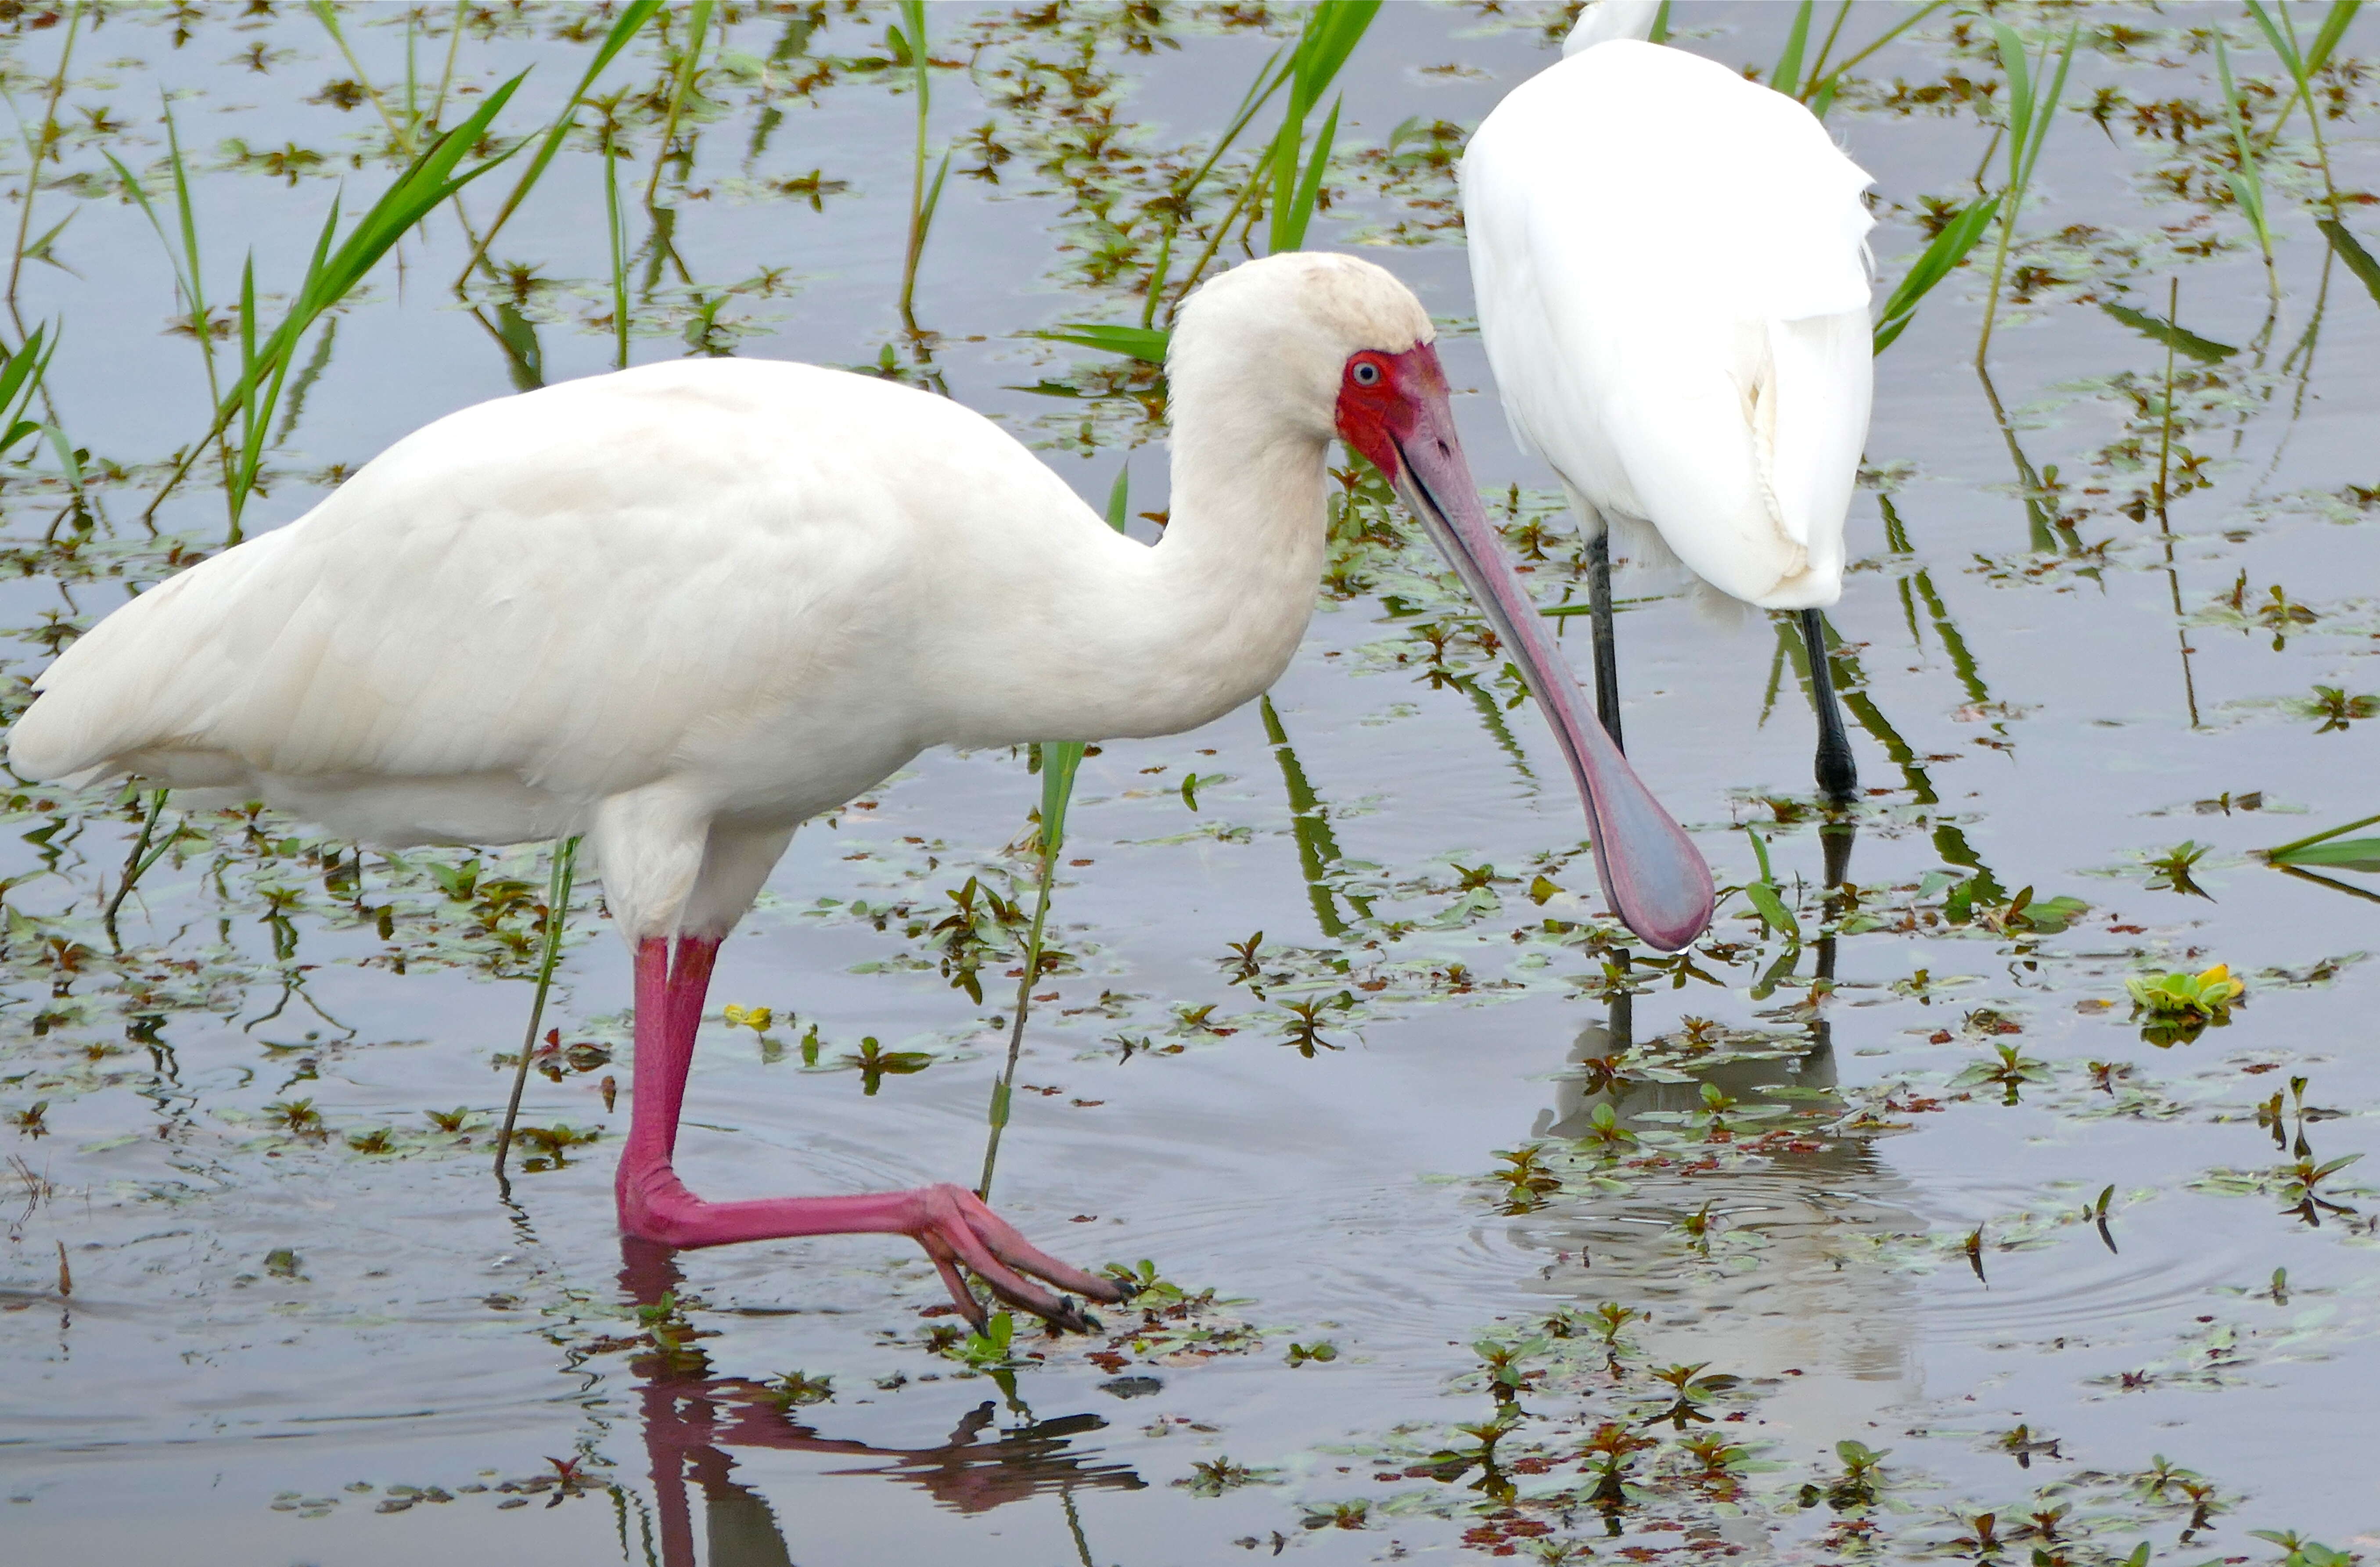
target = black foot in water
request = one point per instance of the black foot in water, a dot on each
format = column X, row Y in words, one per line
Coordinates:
column 1838, row 775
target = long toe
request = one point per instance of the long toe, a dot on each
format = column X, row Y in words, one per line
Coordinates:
column 953, row 1281
column 1013, row 1249
column 957, row 1223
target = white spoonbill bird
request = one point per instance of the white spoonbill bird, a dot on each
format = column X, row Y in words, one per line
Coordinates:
column 683, row 607
column 1671, row 273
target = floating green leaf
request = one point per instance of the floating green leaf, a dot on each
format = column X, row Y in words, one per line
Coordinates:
column 2172, row 334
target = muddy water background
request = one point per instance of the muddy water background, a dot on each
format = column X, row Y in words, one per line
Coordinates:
column 298, row 1341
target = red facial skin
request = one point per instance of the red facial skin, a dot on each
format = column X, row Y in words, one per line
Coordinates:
column 1373, row 417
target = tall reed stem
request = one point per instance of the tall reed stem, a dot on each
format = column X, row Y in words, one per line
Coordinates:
column 36, row 152
column 1003, row 1089
column 618, row 222
column 2165, row 528
column 557, row 914
column 923, row 199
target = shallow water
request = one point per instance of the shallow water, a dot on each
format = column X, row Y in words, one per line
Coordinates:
column 280, row 1346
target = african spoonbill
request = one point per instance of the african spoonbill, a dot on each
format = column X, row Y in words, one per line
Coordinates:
column 1670, row 268
column 682, row 608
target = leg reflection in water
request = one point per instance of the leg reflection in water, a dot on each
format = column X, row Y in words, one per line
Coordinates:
column 692, row 1418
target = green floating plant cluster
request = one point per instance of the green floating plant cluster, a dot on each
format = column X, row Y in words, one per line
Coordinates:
column 2179, row 1006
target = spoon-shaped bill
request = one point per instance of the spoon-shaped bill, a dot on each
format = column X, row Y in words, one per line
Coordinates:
column 1654, row 876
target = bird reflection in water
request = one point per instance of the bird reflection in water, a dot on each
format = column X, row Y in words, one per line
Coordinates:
column 1836, row 1332
column 692, row 1418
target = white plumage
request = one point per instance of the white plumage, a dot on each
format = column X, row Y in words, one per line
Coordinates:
column 1672, row 273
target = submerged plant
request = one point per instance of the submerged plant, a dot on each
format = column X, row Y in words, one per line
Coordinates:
column 2337, row 709
column 2300, row 1552
column 991, row 1348
column 1767, row 898
column 1856, row 1487
column 875, row 1064
column 1527, row 1182
column 1213, row 1476
column 2011, row 1070
column 2170, row 872
column 553, row 1143
column 1689, row 1391
column 795, row 1389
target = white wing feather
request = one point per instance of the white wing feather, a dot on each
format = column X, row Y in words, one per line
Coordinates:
column 1670, row 268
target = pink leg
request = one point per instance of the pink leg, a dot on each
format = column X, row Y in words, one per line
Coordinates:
column 950, row 1222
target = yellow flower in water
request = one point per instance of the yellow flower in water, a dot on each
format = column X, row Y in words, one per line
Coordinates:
column 2217, row 986
column 755, row 1018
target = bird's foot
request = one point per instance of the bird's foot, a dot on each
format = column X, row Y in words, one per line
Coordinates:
column 953, row 1224
column 1838, row 777
column 956, row 1227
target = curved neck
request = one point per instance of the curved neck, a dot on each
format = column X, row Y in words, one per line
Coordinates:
column 1132, row 640
column 1234, row 576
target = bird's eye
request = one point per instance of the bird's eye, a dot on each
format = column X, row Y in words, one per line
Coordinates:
column 1366, row 373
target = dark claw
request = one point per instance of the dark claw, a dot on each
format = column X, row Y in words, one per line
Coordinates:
column 1072, row 1319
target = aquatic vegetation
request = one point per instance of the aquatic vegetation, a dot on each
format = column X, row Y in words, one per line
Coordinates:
column 2186, row 1002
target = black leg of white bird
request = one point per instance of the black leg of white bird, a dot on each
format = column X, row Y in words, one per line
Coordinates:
column 1838, row 775
column 1607, row 653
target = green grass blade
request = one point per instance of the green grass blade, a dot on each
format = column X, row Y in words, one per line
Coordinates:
column 1825, row 85
column 557, row 913
column 187, row 211
column 1291, row 217
column 2173, row 335
column 17, row 371
column 618, row 223
column 2296, row 844
column 1120, row 498
column 2247, row 186
column 1145, row 343
column 2334, row 28
column 1332, row 30
column 334, row 273
column 1819, row 76
column 934, row 194
column 2359, row 260
column 631, row 22
column 330, row 274
column 1787, row 78
column 1936, row 261
column 2019, row 103
column 1060, row 760
column 2044, row 110
column 2342, row 853
column 698, row 30
column 2281, row 45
